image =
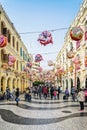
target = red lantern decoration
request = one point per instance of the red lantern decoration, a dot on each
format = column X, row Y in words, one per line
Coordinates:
column 3, row 41
column 45, row 38
column 38, row 58
column 76, row 33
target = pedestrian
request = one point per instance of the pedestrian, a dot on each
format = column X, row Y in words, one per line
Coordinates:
column 55, row 94
column 66, row 93
column 17, row 95
column 81, row 99
column 58, row 92
column 51, row 92
column 40, row 91
column 45, row 92
column 73, row 93
column 7, row 93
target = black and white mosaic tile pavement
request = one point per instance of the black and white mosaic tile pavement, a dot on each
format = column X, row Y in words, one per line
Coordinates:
column 42, row 115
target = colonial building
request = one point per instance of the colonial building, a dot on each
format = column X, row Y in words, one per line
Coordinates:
column 68, row 72
column 12, row 76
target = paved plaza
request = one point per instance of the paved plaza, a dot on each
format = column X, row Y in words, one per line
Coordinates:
column 42, row 115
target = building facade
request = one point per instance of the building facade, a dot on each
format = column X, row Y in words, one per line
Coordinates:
column 12, row 76
column 68, row 72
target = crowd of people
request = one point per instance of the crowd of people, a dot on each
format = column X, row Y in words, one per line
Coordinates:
column 43, row 91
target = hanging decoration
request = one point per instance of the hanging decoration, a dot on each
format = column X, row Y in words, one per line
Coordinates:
column 70, row 54
column 29, row 64
column 3, row 41
column 10, row 63
column 40, row 69
column 77, row 62
column 50, row 63
column 25, row 69
column 45, row 38
column 12, row 60
column 76, row 33
column 38, row 58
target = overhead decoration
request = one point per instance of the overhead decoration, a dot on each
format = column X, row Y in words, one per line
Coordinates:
column 38, row 58
column 10, row 63
column 4, row 65
column 25, row 69
column 45, row 38
column 58, row 66
column 70, row 54
column 12, row 60
column 40, row 69
column 76, row 33
column 29, row 64
column 50, row 63
column 3, row 41
column 77, row 62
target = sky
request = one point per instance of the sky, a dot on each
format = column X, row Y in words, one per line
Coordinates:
column 40, row 15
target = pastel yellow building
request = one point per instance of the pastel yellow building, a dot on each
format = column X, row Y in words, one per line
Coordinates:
column 71, row 74
column 12, row 76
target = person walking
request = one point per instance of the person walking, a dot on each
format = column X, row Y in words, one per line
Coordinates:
column 40, row 91
column 17, row 95
column 51, row 92
column 81, row 99
column 58, row 92
column 73, row 93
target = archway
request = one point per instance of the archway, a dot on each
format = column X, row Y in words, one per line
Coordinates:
column 8, row 83
column 71, row 83
column 14, row 83
column 78, row 83
column 18, row 85
column 66, row 83
column 3, row 84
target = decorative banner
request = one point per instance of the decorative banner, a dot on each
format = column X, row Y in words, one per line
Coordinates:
column 45, row 38
column 76, row 33
column 50, row 63
column 38, row 58
column 3, row 41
